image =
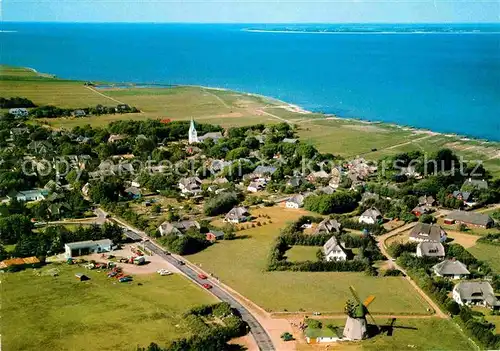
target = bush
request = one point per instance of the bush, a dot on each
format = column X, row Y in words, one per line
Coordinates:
column 393, row 273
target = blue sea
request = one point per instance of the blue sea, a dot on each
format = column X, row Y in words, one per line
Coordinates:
column 440, row 77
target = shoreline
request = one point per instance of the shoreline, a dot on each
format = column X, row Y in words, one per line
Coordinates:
column 294, row 108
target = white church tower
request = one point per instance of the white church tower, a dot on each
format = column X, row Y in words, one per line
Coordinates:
column 193, row 134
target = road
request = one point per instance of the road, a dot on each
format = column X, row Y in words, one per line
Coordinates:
column 381, row 244
column 260, row 335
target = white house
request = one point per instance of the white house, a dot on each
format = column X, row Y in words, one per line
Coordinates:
column 370, row 216
column 192, row 134
column 190, row 185
column 333, row 251
column 427, row 232
column 254, row 187
column 296, row 201
column 453, row 269
column 430, row 249
column 80, row 248
column 19, row 112
column 29, row 195
column 237, row 215
column 475, row 293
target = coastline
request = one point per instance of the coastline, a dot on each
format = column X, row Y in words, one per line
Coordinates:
column 294, row 108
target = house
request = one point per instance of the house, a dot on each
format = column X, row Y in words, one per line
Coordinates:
column 79, row 113
column 421, row 210
column 15, row 132
column 295, row 182
column 464, row 196
column 476, row 183
column 370, row 216
column 295, row 201
column 122, row 108
column 254, row 187
column 215, row 235
column 328, row 226
column 410, row 172
column 190, row 185
column 426, row 201
column 217, row 166
column 215, row 136
column 328, row 190
column 471, row 219
column 333, row 251
column 220, row 181
column 133, row 192
column 19, row 112
column 177, row 228
column 192, row 134
column 29, row 195
column 136, row 182
column 80, row 248
column 427, row 232
column 57, row 209
column 453, row 269
column 290, row 141
column 237, row 215
column 19, row 262
column 475, row 293
column 316, row 176
column 264, row 172
column 430, row 249
column 116, row 137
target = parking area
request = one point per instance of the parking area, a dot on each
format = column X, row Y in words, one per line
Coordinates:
column 152, row 265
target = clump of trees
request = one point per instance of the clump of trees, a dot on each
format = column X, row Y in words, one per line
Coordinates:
column 338, row 202
column 205, row 335
column 14, row 102
column 220, row 203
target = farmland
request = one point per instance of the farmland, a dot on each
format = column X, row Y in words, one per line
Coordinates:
column 61, row 313
column 294, row 291
column 415, row 336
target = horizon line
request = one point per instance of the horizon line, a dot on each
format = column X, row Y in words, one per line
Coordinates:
column 243, row 23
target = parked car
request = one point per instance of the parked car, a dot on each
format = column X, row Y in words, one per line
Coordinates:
column 164, row 272
column 202, row 276
column 207, row 286
column 125, row 279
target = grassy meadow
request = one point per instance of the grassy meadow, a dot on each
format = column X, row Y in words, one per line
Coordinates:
column 488, row 253
column 62, row 313
column 415, row 336
column 241, row 264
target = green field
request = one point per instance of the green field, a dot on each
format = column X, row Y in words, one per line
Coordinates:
column 61, row 313
column 241, row 264
column 301, row 253
column 417, row 335
column 488, row 253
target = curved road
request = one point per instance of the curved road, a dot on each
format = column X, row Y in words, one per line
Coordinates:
column 260, row 335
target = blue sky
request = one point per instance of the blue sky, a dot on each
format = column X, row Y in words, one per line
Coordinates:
column 252, row 11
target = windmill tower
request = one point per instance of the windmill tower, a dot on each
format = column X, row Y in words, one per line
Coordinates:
column 356, row 327
column 192, row 134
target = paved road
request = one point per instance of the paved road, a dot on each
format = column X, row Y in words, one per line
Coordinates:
column 260, row 335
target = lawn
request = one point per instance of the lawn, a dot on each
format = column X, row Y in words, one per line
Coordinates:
column 415, row 337
column 488, row 253
column 241, row 264
column 301, row 253
column 61, row 313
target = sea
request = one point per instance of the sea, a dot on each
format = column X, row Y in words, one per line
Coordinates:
column 441, row 77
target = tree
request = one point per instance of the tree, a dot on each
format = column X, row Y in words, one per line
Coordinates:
column 453, row 307
column 427, row 218
column 221, row 203
column 13, row 227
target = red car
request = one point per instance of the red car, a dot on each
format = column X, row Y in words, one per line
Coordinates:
column 207, row 286
column 202, row 276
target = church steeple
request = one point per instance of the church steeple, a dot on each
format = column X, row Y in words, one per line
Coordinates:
column 192, row 134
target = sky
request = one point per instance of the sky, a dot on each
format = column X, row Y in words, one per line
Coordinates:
column 252, row 11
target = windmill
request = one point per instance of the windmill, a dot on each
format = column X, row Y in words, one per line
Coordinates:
column 356, row 327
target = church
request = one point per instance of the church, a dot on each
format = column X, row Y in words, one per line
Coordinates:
column 193, row 134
